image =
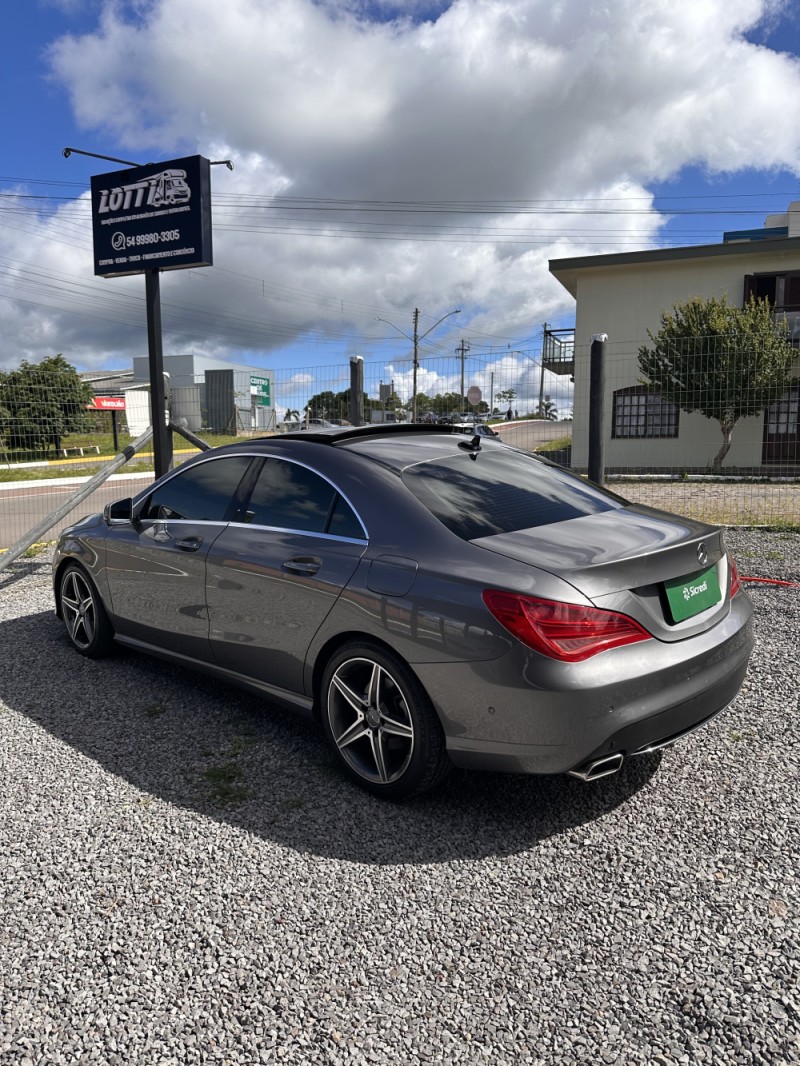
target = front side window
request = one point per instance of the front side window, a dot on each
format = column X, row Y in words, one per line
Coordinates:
column 201, row 493
column 639, row 412
column 289, row 496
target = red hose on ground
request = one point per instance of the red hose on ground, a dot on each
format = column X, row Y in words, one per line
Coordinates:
column 773, row 581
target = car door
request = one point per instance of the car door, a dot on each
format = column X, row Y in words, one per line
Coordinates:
column 276, row 571
column 156, row 564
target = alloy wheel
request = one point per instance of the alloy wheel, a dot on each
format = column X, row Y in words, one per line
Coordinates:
column 79, row 610
column 370, row 721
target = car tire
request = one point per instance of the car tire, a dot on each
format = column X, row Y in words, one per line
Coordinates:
column 381, row 724
column 89, row 630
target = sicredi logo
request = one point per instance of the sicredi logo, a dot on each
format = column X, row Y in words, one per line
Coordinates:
column 694, row 590
column 167, row 188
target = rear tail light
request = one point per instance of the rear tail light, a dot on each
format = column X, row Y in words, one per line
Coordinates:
column 736, row 581
column 564, row 631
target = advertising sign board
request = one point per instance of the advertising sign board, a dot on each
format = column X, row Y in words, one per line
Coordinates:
column 107, row 403
column 259, row 391
column 155, row 217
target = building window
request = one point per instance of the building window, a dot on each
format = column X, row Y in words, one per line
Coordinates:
column 782, row 429
column 781, row 290
column 639, row 412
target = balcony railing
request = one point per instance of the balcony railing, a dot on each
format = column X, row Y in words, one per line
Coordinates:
column 558, row 351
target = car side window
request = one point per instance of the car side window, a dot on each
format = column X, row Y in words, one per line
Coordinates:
column 289, row 496
column 343, row 522
column 202, row 493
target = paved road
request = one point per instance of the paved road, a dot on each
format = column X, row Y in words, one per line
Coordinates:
column 530, row 433
column 24, row 505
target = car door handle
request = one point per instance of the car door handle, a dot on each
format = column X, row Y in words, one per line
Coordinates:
column 302, row 565
column 189, row 544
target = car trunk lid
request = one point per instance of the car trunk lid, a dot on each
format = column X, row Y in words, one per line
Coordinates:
column 669, row 573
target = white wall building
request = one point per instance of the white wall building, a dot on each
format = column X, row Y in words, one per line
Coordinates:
column 623, row 296
column 216, row 394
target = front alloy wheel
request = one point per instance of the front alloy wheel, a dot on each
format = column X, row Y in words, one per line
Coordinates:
column 84, row 615
column 380, row 723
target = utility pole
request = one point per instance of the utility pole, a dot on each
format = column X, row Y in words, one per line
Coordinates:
column 463, row 348
column 416, row 366
column 415, row 341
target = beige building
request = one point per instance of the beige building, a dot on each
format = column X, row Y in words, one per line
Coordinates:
column 623, row 295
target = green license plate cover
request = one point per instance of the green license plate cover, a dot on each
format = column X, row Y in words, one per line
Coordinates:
column 692, row 594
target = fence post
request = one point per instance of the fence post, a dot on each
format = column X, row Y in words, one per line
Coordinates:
column 357, row 390
column 597, row 389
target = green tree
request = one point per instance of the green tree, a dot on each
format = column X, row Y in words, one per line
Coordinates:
column 547, row 409
column 724, row 362
column 336, row 405
column 324, row 405
column 42, row 402
column 448, row 403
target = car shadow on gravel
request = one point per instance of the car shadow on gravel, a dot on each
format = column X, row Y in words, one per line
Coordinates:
column 209, row 747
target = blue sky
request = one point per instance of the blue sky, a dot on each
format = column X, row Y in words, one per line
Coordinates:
column 387, row 156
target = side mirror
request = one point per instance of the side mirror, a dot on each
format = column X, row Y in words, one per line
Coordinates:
column 118, row 512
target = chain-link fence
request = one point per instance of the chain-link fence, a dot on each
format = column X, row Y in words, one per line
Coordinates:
column 661, row 447
column 706, row 428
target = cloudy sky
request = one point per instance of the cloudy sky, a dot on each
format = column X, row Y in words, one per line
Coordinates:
column 387, row 156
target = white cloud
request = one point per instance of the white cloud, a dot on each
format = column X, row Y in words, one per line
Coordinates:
column 504, row 102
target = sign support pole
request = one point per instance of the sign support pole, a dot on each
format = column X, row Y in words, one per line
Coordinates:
column 162, row 439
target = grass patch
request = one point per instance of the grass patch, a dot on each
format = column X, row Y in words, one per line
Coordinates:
column 35, row 550
column 76, row 466
column 44, row 473
column 557, row 445
column 225, row 784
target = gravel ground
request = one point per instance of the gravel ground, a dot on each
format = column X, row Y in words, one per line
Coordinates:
column 185, row 878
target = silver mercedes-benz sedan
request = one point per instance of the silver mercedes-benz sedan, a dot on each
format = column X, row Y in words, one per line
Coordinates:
column 431, row 599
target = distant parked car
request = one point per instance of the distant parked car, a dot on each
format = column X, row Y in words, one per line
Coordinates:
column 431, row 598
column 316, row 423
column 475, row 427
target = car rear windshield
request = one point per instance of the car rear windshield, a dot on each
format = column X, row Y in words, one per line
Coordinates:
column 502, row 491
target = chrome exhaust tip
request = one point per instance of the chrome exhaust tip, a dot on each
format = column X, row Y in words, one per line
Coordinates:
column 597, row 768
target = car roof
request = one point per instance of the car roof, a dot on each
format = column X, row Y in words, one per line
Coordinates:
column 336, row 435
column 395, row 445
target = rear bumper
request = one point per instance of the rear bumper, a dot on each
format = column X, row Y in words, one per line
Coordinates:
column 638, row 701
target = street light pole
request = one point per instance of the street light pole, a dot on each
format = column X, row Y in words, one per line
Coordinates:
column 416, row 366
column 415, row 341
column 463, row 348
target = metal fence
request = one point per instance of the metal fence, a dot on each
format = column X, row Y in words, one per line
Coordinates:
column 656, row 452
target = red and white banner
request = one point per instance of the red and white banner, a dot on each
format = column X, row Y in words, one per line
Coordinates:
column 107, row 403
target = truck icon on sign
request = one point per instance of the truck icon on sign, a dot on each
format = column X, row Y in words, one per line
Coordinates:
column 169, row 188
